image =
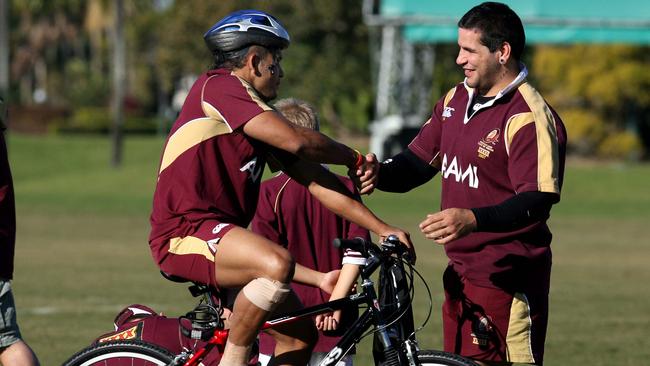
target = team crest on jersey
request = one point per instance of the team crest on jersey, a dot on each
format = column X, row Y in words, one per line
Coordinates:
column 486, row 144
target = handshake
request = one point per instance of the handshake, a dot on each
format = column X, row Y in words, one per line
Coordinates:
column 365, row 173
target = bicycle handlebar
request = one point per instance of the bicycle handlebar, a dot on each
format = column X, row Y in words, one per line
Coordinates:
column 391, row 245
column 357, row 244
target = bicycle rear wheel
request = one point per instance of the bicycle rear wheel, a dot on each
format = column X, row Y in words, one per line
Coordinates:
column 121, row 353
column 439, row 358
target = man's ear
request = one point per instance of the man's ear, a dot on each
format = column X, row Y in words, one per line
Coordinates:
column 505, row 52
column 253, row 61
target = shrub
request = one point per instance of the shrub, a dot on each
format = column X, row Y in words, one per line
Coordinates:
column 621, row 145
column 585, row 130
column 100, row 120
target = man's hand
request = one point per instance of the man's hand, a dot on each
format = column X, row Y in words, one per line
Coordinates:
column 403, row 236
column 366, row 175
column 448, row 225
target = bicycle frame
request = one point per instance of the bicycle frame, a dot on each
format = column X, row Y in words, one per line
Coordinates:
column 387, row 309
column 371, row 316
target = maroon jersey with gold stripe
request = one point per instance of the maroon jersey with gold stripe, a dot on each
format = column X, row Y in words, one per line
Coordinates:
column 289, row 215
column 7, row 213
column 514, row 143
column 209, row 168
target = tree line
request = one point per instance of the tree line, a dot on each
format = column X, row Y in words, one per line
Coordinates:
column 60, row 69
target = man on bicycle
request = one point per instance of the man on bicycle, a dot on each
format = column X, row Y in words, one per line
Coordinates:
column 209, row 178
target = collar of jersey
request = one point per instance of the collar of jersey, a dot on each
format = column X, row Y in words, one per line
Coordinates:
column 520, row 79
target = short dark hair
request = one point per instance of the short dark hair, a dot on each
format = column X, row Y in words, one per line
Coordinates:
column 235, row 59
column 497, row 23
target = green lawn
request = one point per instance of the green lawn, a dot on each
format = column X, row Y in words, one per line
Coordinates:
column 82, row 250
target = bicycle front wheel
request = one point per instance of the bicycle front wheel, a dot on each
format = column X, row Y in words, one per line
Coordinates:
column 121, row 353
column 439, row 358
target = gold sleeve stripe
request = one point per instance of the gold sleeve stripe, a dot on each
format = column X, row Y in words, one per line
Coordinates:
column 548, row 154
column 514, row 124
column 450, row 94
column 190, row 245
column 518, row 340
column 190, row 134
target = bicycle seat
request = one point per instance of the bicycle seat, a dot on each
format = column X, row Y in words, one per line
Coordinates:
column 174, row 278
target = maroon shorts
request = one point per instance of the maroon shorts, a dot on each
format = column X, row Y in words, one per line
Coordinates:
column 490, row 324
column 192, row 256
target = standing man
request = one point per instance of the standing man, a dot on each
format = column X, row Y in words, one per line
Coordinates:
column 289, row 215
column 13, row 350
column 500, row 150
column 209, row 179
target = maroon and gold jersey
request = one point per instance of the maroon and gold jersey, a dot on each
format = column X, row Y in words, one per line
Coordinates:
column 7, row 214
column 209, row 168
column 511, row 144
column 289, row 215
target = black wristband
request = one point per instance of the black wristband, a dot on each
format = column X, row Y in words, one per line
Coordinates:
column 403, row 172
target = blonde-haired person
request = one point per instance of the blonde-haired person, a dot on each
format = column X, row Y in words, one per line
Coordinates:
column 289, row 215
column 298, row 112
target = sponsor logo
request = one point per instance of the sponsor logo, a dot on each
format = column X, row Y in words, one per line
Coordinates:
column 446, row 113
column 218, row 228
column 454, row 170
column 486, row 144
column 253, row 168
column 134, row 332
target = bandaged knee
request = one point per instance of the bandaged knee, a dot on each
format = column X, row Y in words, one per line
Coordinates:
column 235, row 355
column 266, row 294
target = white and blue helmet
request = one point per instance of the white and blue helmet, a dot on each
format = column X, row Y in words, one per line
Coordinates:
column 244, row 28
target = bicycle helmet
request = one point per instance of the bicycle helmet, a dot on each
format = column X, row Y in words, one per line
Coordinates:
column 246, row 27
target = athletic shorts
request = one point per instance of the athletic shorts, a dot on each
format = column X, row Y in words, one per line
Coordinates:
column 490, row 324
column 9, row 332
column 192, row 257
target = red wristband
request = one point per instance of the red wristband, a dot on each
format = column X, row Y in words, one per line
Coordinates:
column 359, row 161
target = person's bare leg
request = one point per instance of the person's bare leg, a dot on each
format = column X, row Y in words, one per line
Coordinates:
column 294, row 341
column 18, row 354
column 241, row 257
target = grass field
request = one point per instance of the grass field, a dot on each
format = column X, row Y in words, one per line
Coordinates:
column 82, row 251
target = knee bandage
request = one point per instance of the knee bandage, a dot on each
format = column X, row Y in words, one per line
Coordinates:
column 265, row 293
column 235, row 355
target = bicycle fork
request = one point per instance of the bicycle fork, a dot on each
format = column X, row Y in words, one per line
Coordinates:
column 372, row 316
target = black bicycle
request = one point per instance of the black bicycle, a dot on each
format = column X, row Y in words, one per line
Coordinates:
column 388, row 317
